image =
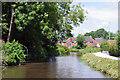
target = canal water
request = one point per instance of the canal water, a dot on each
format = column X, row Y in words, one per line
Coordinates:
column 63, row 67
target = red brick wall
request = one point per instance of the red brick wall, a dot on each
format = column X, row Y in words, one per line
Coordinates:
column 74, row 44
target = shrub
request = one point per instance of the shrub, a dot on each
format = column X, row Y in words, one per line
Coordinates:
column 104, row 46
column 78, row 47
column 13, row 52
column 74, row 50
column 90, row 49
column 113, row 50
column 73, row 46
column 85, row 45
column 62, row 50
column 80, row 40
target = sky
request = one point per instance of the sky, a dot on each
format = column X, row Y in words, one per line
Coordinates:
column 100, row 15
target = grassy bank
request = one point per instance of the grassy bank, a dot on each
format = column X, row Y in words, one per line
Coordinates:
column 104, row 65
column 89, row 49
column 76, row 50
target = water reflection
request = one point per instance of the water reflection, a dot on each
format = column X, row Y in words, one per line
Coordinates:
column 63, row 67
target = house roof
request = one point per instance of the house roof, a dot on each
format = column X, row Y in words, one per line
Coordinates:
column 99, row 40
column 111, row 41
column 72, row 38
column 94, row 43
column 91, row 44
column 64, row 40
column 88, row 38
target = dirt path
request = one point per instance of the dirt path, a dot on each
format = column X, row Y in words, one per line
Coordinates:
column 103, row 55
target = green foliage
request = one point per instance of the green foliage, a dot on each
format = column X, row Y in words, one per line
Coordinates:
column 39, row 25
column 113, row 50
column 104, row 46
column 90, row 49
column 63, row 50
column 98, row 34
column 73, row 49
column 73, row 46
column 80, row 40
column 13, row 52
column 78, row 47
column 117, row 39
column 112, row 36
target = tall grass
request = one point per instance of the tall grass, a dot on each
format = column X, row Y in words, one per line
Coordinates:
column 104, row 65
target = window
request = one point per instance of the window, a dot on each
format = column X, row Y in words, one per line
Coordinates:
column 74, row 42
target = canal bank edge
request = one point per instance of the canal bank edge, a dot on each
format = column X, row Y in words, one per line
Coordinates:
column 104, row 65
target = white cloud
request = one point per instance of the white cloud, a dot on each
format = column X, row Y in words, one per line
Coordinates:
column 80, row 30
column 95, row 0
column 102, row 25
column 99, row 17
column 103, row 14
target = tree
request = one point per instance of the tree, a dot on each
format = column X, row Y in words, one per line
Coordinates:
column 117, row 37
column 39, row 25
column 11, row 22
column 112, row 36
column 100, row 33
column 80, row 40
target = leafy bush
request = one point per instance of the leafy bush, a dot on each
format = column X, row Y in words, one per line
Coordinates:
column 73, row 46
column 13, row 52
column 63, row 50
column 90, row 49
column 85, row 45
column 78, row 47
column 104, row 46
column 113, row 50
column 74, row 50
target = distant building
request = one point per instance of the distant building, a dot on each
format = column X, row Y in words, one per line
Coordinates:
column 111, row 41
column 99, row 41
column 90, row 41
column 59, row 42
column 69, row 42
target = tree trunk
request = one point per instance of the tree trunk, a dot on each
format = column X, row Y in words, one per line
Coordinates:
column 11, row 23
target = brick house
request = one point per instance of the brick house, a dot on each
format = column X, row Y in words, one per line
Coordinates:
column 99, row 41
column 69, row 42
column 90, row 41
column 111, row 41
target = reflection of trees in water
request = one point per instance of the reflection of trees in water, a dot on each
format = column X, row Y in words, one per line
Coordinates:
column 41, row 70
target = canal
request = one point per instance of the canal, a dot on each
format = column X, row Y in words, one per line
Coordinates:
column 63, row 67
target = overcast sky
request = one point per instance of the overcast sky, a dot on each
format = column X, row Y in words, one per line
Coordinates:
column 100, row 15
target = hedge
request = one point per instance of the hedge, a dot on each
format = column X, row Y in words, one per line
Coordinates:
column 113, row 50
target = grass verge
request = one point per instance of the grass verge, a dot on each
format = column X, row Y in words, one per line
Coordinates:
column 75, row 50
column 104, row 65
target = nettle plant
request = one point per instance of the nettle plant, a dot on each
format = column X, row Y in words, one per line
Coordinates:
column 13, row 52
